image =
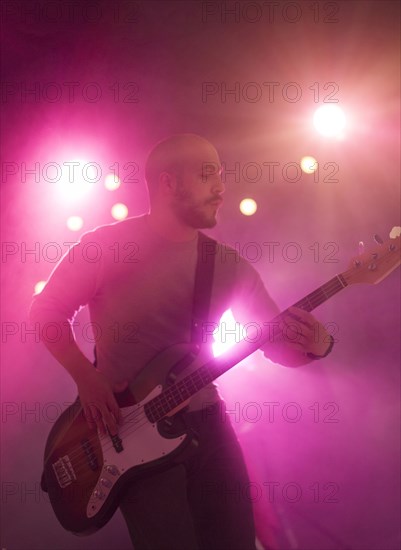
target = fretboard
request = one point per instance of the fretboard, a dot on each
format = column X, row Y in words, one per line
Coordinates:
column 181, row 391
column 321, row 294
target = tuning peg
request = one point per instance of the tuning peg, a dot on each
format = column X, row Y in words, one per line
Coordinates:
column 361, row 247
column 378, row 239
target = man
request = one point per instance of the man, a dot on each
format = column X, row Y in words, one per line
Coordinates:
column 137, row 277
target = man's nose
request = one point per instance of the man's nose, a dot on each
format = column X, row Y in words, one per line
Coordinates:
column 218, row 185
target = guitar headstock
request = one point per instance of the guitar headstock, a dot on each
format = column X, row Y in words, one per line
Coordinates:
column 374, row 265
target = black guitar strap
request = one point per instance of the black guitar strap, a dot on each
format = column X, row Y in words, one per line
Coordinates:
column 203, row 286
column 201, row 300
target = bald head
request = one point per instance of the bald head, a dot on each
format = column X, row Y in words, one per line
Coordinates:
column 174, row 155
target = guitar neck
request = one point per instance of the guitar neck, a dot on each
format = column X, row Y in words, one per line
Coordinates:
column 181, row 391
column 321, row 294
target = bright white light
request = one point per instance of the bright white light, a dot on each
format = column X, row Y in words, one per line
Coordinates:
column 395, row 232
column 228, row 333
column 112, row 182
column 39, row 287
column 119, row 211
column 75, row 223
column 74, row 178
column 248, row 207
column 329, row 120
column 308, row 165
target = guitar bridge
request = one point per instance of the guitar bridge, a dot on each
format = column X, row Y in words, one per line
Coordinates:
column 64, row 471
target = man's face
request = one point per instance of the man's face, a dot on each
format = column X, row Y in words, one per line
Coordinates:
column 199, row 188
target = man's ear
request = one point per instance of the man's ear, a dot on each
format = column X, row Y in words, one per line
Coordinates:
column 167, row 183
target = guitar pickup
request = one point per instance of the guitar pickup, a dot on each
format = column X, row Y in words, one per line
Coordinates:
column 64, row 471
column 90, row 454
column 117, row 443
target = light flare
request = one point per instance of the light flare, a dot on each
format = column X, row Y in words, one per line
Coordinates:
column 308, row 165
column 329, row 121
column 112, row 182
column 119, row 211
column 248, row 207
column 75, row 223
column 40, row 285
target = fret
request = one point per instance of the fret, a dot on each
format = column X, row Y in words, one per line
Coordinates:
column 321, row 294
column 342, row 280
column 176, row 396
column 153, row 412
column 205, row 375
column 183, row 390
column 163, row 399
column 191, row 386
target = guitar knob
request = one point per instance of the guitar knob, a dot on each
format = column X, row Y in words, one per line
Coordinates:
column 97, row 493
column 391, row 247
column 105, row 482
column 113, row 470
column 378, row 239
column 374, row 255
column 357, row 263
column 372, row 267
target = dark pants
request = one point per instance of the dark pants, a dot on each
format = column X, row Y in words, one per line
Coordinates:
column 199, row 503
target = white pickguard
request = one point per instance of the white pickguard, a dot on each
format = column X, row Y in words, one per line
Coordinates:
column 142, row 443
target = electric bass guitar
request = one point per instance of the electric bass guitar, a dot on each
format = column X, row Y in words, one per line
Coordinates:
column 85, row 472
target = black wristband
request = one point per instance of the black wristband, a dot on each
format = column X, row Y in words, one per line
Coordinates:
column 313, row 356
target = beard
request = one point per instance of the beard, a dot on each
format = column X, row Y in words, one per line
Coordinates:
column 193, row 213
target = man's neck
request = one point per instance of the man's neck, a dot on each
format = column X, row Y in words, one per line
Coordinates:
column 170, row 228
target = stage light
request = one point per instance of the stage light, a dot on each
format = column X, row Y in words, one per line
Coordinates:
column 39, row 287
column 308, row 165
column 74, row 178
column 112, row 182
column 119, row 211
column 75, row 223
column 226, row 334
column 329, row 120
column 248, row 207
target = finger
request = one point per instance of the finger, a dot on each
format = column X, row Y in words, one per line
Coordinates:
column 114, row 409
column 89, row 418
column 292, row 347
column 302, row 316
column 296, row 346
column 110, row 422
column 295, row 331
column 97, row 412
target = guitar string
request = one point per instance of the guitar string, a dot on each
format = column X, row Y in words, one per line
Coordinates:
column 126, row 430
column 332, row 287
